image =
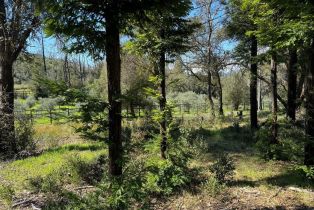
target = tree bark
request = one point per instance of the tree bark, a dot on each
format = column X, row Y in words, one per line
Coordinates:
column 309, row 109
column 274, row 137
column 162, row 105
column 253, row 84
column 6, row 79
column 7, row 100
column 209, row 92
column 221, row 111
column 260, row 98
column 292, row 84
column 43, row 53
column 114, row 89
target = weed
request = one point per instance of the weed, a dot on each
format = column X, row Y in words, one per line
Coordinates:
column 212, row 186
column 90, row 172
column 6, row 194
column 223, row 168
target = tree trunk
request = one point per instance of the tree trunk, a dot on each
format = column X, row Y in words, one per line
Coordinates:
column 209, row 92
column 65, row 70
column 253, row 85
column 7, row 99
column 221, row 111
column 274, row 138
column 309, row 109
column 43, row 53
column 114, row 89
column 162, row 105
column 292, row 84
column 260, row 98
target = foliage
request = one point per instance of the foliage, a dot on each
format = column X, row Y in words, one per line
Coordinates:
column 213, row 187
column 164, row 176
column 223, row 168
column 89, row 172
column 50, row 103
column 7, row 194
column 290, row 146
column 307, row 172
column 188, row 98
column 24, row 135
column 46, row 87
column 92, row 120
column 51, row 183
column 235, row 89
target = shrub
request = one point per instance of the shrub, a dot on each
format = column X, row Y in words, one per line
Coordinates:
column 93, row 119
column 6, row 195
column 212, row 186
column 164, row 176
column 223, row 168
column 89, row 172
column 24, row 135
column 50, row 103
column 30, row 101
column 290, row 145
column 307, row 172
column 52, row 183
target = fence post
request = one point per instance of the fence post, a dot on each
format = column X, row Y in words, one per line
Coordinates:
column 68, row 111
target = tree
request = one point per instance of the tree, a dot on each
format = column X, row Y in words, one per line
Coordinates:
column 166, row 34
column 238, row 24
column 206, row 52
column 296, row 26
column 17, row 22
column 95, row 26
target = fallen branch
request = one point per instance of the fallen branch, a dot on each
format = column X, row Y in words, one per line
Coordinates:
column 85, row 187
column 23, row 202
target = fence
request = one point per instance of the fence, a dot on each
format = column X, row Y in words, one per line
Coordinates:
column 133, row 111
column 51, row 114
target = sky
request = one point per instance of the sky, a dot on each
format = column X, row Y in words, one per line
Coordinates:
column 51, row 49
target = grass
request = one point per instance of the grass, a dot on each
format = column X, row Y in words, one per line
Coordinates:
column 262, row 184
column 17, row 173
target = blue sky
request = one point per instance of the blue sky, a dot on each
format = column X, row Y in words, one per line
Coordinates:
column 51, row 49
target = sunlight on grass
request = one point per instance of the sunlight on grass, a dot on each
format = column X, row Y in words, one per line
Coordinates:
column 18, row 172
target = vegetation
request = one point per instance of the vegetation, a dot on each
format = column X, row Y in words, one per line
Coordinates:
column 149, row 104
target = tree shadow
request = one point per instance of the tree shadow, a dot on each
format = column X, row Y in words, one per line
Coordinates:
column 78, row 147
column 288, row 178
column 230, row 140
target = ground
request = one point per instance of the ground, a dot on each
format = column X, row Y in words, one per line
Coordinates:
column 256, row 184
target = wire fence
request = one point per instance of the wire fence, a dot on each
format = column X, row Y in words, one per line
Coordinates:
column 61, row 114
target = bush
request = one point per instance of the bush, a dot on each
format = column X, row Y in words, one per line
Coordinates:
column 30, row 101
column 89, row 172
column 223, row 168
column 6, row 195
column 290, row 145
column 188, row 98
column 307, row 172
column 164, row 176
column 93, row 119
column 24, row 135
column 52, row 183
column 213, row 187
column 50, row 103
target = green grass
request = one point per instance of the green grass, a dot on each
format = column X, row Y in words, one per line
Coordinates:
column 17, row 173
